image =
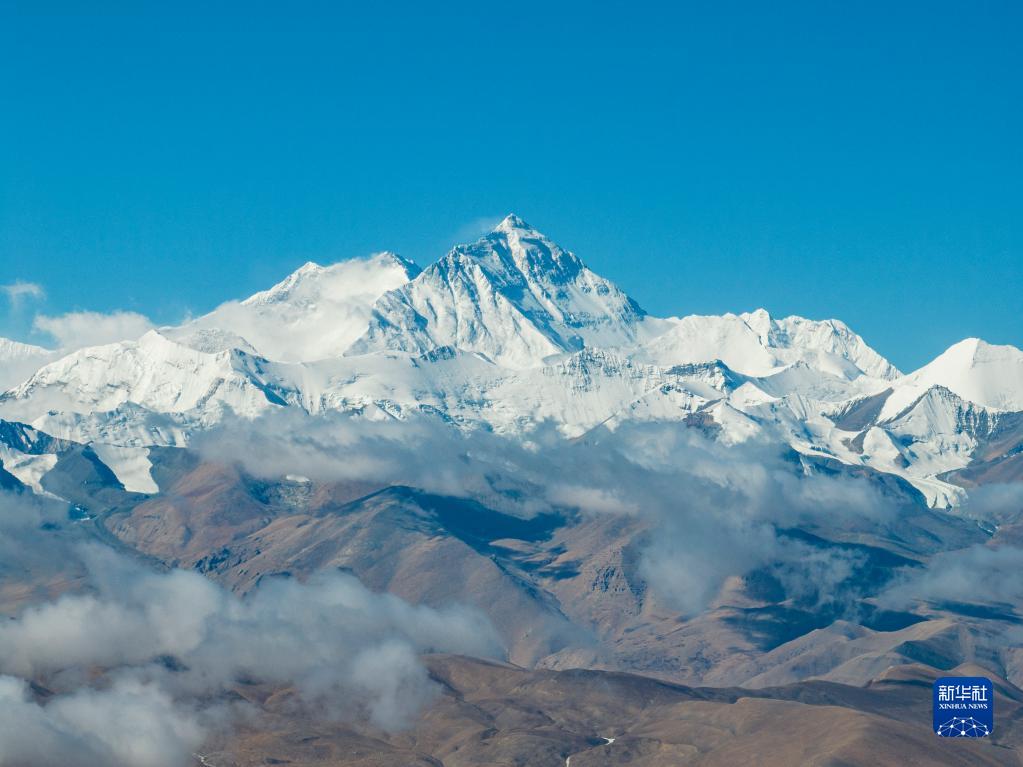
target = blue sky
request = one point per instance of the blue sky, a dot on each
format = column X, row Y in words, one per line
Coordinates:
column 858, row 160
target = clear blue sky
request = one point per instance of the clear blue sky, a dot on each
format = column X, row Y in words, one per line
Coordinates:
column 858, row 160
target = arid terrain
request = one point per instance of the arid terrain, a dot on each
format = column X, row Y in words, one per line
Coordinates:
column 494, row 714
column 762, row 677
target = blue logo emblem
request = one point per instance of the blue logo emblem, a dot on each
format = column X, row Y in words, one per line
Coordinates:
column 964, row 707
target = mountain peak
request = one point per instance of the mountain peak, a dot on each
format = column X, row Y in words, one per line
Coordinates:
column 515, row 252
column 390, row 258
column 512, row 222
column 311, row 281
column 980, row 372
column 969, row 349
column 832, row 338
column 759, row 320
column 974, row 351
column 514, row 296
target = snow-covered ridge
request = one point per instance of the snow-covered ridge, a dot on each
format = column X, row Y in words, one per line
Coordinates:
column 838, row 346
column 153, row 372
column 315, row 313
column 507, row 332
column 756, row 344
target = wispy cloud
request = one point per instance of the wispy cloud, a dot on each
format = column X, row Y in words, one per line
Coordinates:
column 75, row 330
column 978, row 573
column 472, row 230
column 20, row 291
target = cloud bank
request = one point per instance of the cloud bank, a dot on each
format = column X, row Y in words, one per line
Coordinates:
column 135, row 668
column 713, row 511
column 166, row 648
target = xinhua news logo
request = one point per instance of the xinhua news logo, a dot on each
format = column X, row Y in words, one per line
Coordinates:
column 964, row 707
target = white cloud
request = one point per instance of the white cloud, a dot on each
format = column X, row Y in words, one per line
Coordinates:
column 20, row 290
column 713, row 510
column 75, row 330
column 348, row 652
column 473, row 230
column 127, row 724
column 979, row 573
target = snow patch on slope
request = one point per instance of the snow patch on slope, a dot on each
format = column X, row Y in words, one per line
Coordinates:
column 131, row 466
column 27, row 468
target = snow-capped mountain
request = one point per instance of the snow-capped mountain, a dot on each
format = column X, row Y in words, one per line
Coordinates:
column 988, row 375
column 509, row 332
column 513, row 296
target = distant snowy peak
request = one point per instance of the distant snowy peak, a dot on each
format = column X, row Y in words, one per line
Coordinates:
column 554, row 288
column 315, row 313
column 514, row 296
column 940, row 411
column 828, row 337
column 15, row 350
column 977, row 371
column 699, row 338
column 755, row 344
column 18, row 361
column 986, row 375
